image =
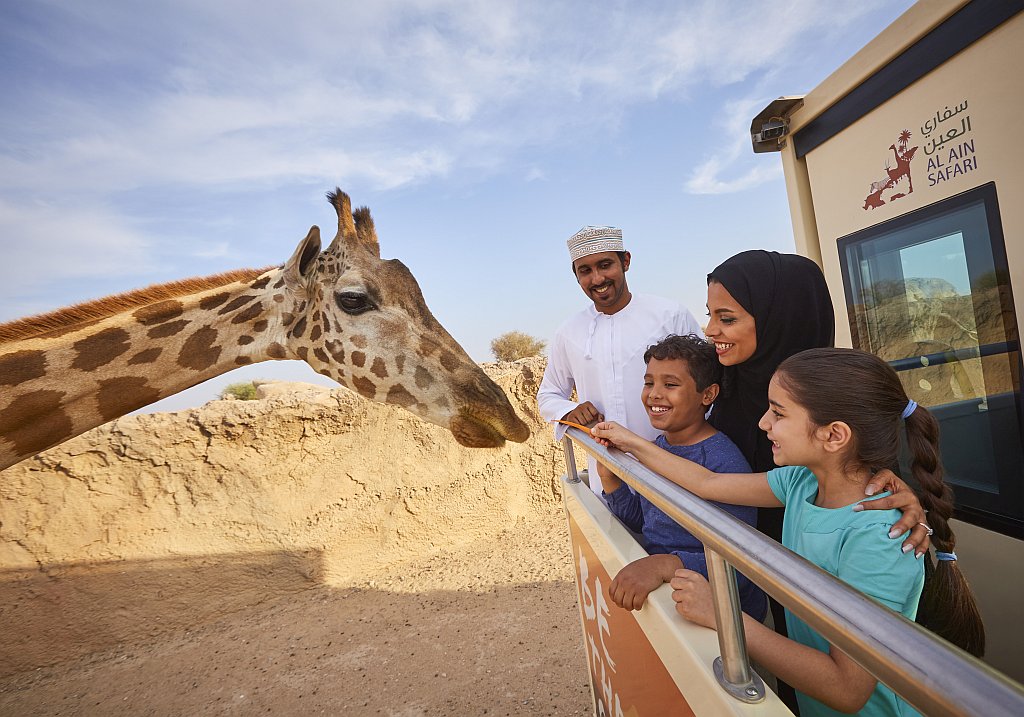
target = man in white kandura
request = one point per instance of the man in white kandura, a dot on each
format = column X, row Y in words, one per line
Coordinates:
column 600, row 350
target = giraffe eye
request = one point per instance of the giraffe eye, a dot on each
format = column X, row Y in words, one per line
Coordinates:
column 353, row 303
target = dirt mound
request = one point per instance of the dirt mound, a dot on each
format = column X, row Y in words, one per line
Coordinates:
column 153, row 527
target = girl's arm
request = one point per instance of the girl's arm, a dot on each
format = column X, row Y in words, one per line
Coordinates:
column 830, row 677
column 735, row 488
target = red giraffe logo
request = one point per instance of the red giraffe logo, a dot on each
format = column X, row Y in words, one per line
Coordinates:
column 895, row 175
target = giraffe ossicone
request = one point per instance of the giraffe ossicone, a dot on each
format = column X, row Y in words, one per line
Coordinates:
column 346, row 312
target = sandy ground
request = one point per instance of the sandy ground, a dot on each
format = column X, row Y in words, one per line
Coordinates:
column 490, row 631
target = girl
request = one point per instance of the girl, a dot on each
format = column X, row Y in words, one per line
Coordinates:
column 831, row 440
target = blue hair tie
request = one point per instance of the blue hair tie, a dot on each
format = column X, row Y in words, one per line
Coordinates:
column 944, row 556
column 911, row 405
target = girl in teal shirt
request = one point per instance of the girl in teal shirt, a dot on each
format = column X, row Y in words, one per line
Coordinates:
column 834, row 419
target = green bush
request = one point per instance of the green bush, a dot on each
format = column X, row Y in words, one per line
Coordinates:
column 245, row 391
column 516, row 345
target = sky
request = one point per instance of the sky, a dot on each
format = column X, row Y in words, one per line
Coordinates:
column 146, row 142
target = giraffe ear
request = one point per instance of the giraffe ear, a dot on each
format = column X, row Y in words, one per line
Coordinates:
column 302, row 265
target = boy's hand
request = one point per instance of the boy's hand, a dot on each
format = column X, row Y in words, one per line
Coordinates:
column 584, row 414
column 630, row 588
column 903, row 499
column 610, row 433
column 692, row 594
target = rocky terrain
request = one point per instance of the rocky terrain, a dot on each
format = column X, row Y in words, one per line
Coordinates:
column 306, row 553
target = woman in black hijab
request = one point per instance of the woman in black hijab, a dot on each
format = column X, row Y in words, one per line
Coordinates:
column 764, row 307
column 791, row 308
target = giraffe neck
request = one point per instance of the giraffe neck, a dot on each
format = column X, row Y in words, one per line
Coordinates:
column 68, row 380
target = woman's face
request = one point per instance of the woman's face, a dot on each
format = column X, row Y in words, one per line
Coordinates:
column 729, row 326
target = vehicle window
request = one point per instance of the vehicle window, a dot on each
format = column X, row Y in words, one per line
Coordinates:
column 930, row 293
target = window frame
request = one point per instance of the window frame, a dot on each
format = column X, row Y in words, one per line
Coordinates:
column 986, row 194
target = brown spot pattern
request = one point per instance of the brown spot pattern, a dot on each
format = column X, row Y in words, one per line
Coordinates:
column 427, row 347
column 235, row 303
column 159, row 313
column 245, row 340
column 299, row 328
column 360, row 341
column 276, row 351
column 21, row 366
column 423, row 378
column 303, row 352
column 260, row 283
column 365, row 386
column 99, row 349
column 449, row 361
column 379, row 368
column 212, row 302
column 260, row 326
column 118, row 396
column 35, row 421
column 242, row 360
column 147, row 356
column 400, row 397
column 316, row 333
column 199, row 352
column 359, row 358
column 278, row 298
column 248, row 315
column 337, row 350
column 165, row 330
column 279, row 283
column 400, row 363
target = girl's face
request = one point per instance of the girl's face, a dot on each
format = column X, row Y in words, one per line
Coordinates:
column 730, row 327
column 789, row 428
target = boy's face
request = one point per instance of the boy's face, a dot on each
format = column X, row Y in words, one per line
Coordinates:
column 671, row 397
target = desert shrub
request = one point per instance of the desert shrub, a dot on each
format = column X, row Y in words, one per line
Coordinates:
column 516, row 345
column 244, row 391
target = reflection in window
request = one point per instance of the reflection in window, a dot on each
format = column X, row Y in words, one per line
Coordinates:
column 929, row 292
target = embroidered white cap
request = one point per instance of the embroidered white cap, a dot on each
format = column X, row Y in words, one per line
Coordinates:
column 594, row 240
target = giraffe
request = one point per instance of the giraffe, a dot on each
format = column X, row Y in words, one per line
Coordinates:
column 350, row 315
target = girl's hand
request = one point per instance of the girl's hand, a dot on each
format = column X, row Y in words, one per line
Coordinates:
column 692, row 594
column 903, row 498
column 610, row 433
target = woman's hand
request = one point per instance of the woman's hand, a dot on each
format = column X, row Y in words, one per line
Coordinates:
column 610, row 433
column 903, row 498
column 692, row 594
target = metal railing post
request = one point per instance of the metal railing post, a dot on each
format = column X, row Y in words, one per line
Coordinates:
column 732, row 668
column 908, row 658
column 570, row 461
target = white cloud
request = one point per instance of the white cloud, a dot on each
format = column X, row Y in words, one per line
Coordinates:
column 388, row 93
column 48, row 242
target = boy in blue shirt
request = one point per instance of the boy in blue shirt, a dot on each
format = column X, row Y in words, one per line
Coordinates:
column 681, row 383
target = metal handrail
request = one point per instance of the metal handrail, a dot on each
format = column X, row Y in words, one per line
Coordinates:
column 928, row 672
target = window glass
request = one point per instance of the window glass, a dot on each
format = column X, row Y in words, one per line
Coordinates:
column 929, row 292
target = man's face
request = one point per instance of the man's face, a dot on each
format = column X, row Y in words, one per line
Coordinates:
column 603, row 279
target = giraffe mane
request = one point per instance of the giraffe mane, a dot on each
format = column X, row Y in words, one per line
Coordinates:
column 69, row 316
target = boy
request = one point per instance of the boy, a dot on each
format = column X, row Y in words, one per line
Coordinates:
column 681, row 383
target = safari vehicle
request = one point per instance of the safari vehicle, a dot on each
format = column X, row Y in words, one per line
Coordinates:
column 904, row 172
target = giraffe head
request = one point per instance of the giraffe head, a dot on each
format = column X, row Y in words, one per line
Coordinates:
column 362, row 321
